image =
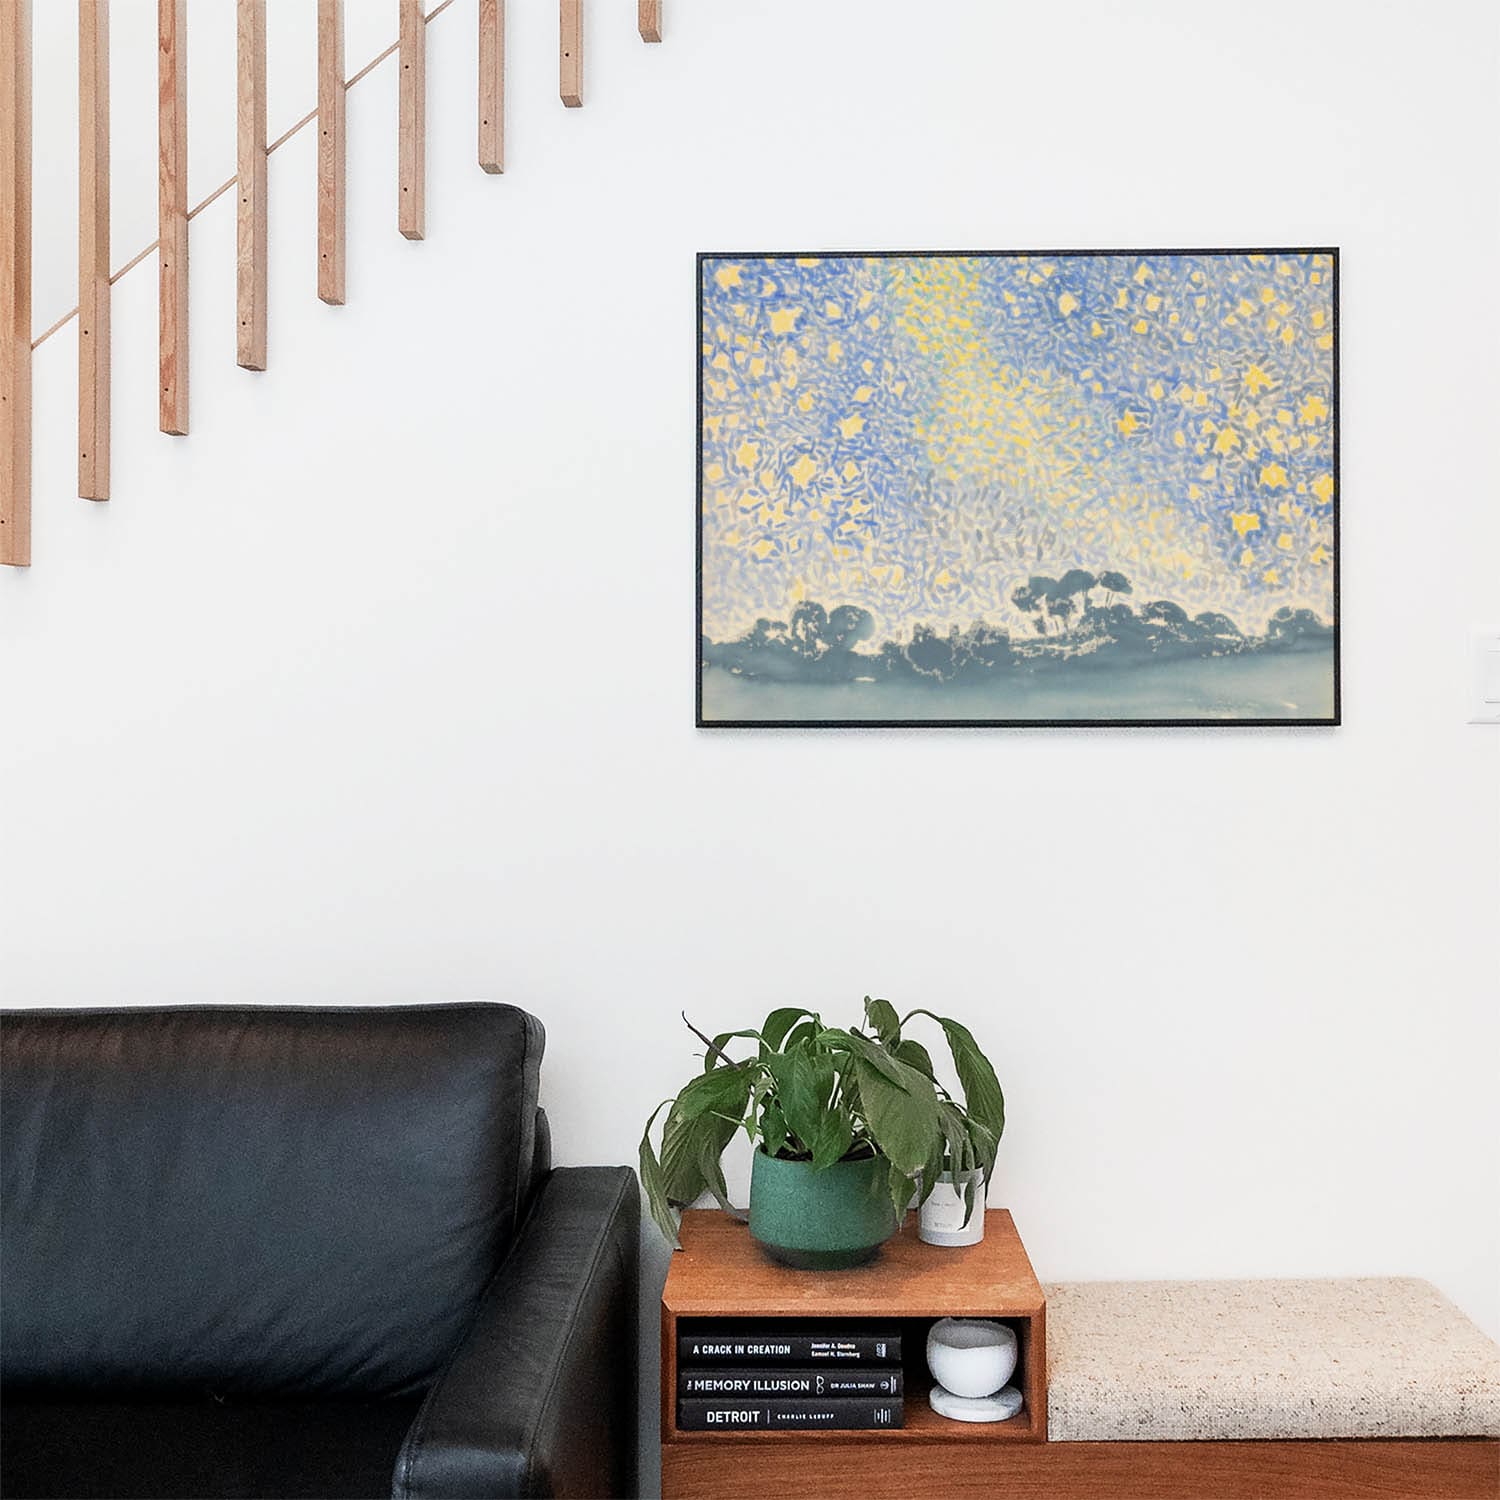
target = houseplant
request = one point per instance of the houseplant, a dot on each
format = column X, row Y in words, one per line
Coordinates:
column 846, row 1125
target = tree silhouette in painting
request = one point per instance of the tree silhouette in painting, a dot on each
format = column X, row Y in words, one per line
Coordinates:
column 1071, row 632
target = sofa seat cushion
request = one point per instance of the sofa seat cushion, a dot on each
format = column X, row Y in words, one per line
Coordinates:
column 335, row 1450
column 1163, row 1360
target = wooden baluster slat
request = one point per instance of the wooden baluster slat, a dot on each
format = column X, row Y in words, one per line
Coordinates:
column 492, row 85
column 570, row 52
column 251, row 222
column 331, row 151
column 412, row 147
column 93, row 249
column 648, row 20
column 172, row 212
column 15, row 282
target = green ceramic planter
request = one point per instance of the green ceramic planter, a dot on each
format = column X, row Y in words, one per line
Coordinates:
column 821, row 1221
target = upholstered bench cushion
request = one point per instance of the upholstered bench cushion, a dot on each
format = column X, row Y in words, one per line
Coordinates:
column 1162, row 1360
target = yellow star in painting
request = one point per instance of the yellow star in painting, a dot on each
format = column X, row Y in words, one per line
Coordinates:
column 727, row 276
column 1227, row 441
column 784, row 319
column 1314, row 409
column 1256, row 380
column 1067, row 304
column 1322, row 487
column 1244, row 520
column 1273, row 476
column 747, row 455
column 852, row 426
column 803, row 470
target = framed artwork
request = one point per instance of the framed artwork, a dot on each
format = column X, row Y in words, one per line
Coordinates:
column 1041, row 488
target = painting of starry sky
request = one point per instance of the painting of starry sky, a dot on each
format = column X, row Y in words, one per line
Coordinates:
column 1018, row 488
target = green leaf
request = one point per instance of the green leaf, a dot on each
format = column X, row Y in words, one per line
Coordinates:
column 701, row 1124
column 773, row 1129
column 654, row 1183
column 899, row 1184
column 712, row 1172
column 716, row 1057
column 982, row 1094
column 881, row 1015
column 985, row 1146
column 833, row 1137
column 875, row 1056
column 804, row 1031
column 966, row 1140
column 902, row 1117
column 932, row 1169
column 778, row 1023
column 957, row 1146
column 682, row 1177
column 804, row 1087
column 914, row 1055
column 723, row 1090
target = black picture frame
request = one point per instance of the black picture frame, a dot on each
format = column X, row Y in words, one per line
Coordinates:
column 1331, row 721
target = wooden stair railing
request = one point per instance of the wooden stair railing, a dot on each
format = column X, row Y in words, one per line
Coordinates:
column 252, row 153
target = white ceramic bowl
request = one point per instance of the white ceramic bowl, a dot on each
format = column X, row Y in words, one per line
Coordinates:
column 971, row 1356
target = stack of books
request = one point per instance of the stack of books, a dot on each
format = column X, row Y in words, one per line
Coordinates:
column 834, row 1378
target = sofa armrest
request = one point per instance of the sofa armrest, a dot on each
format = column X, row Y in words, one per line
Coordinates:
column 540, row 1397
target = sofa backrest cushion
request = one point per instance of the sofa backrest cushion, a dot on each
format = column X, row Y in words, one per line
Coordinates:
column 256, row 1200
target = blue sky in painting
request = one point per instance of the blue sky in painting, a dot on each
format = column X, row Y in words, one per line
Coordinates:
column 918, row 435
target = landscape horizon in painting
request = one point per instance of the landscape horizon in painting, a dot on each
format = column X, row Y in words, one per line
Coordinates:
column 1018, row 488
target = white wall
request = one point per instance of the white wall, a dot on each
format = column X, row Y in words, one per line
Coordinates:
column 300, row 713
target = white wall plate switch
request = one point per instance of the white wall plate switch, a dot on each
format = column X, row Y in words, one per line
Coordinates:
column 1484, row 691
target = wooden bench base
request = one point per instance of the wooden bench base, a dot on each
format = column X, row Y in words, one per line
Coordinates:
column 1325, row 1469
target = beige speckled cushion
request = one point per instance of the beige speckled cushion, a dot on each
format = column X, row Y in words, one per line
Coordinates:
column 1153, row 1360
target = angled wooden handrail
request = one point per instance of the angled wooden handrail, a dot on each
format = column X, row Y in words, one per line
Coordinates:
column 228, row 182
column 174, row 213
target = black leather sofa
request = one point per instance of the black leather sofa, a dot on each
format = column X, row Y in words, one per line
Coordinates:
column 304, row 1252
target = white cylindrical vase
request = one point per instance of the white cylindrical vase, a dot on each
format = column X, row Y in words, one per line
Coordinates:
column 940, row 1220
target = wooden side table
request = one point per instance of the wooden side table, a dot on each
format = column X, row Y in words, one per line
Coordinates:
column 722, row 1273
